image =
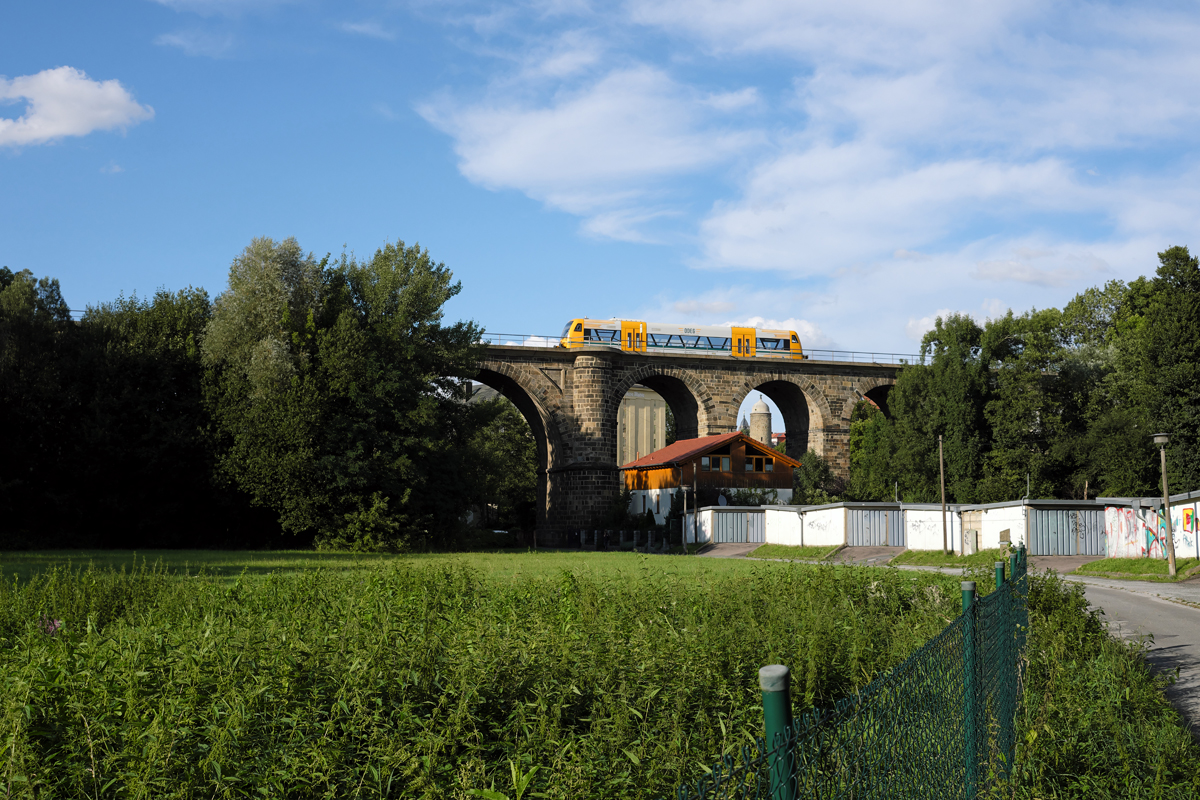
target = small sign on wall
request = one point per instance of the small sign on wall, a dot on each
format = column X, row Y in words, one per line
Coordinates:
column 1006, row 535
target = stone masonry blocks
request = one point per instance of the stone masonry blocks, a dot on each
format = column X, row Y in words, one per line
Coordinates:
column 579, row 417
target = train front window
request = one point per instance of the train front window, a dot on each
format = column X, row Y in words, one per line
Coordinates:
column 566, row 330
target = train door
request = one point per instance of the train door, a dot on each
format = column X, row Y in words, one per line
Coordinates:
column 743, row 342
column 633, row 336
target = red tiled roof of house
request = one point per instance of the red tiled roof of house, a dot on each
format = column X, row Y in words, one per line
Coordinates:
column 687, row 449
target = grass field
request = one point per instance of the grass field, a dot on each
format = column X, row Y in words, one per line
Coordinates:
column 934, row 558
column 300, row 675
column 608, row 675
column 1144, row 569
column 784, row 551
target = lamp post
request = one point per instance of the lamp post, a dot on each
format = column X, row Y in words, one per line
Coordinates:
column 1161, row 440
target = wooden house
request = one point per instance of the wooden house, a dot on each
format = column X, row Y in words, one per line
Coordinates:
column 712, row 466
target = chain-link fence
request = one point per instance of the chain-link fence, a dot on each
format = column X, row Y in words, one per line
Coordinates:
column 940, row 725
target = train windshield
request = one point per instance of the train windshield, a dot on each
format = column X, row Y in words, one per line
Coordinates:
column 566, row 329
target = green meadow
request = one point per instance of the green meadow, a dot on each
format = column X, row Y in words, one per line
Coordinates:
column 551, row 674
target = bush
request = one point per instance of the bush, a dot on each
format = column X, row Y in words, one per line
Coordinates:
column 1094, row 722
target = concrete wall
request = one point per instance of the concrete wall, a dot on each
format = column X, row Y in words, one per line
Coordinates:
column 785, row 526
column 699, row 526
column 824, row 525
column 995, row 520
column 1141, row 532
column 1184, row 513
column 923, row 527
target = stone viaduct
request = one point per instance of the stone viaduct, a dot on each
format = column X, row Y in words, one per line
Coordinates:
column 570, row 399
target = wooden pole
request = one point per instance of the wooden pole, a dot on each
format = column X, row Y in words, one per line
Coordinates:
column 942, row 473
column 1167, row 513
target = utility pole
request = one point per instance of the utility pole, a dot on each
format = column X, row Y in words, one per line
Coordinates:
column 942, row 473
column 1161, row 440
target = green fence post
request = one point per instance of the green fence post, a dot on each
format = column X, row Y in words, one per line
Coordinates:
column 970, row 748
column 1012, row 564
column 999, row 574
column 775, row 680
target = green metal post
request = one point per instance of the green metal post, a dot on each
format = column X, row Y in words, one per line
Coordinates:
column 775, row 680
column 970, row 748
column 1012, row 564
column 999, row 574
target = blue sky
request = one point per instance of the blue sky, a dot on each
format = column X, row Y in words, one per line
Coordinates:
column 849, row 170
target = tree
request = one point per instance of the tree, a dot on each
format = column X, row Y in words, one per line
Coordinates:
column 502, row 465
column 336, row 392
column 945, row 397
column 1169, row 356
column 813, row 482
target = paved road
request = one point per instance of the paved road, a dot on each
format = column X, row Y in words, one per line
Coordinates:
column 729, row 550
column 1175, row 629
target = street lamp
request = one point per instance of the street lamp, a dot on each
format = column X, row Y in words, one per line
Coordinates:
column 1161, row 440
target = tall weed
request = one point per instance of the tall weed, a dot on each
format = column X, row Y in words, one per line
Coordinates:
column 424, row 681
column 1094, row 722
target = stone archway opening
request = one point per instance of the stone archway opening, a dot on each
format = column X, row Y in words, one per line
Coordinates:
column 879, row 397
column 653, row 410
column 794, row 411
column 529, row 410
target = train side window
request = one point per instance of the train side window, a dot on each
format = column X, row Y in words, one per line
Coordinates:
column 704, row 464
column 739, row 347
column 578, row 326
column 795, row 339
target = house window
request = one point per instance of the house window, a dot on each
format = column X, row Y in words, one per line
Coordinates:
column 749, row 465
column 770, row 465
column 725, row 464
column 704, row 464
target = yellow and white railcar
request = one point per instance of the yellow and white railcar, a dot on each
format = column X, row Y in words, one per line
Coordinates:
column 659, row 337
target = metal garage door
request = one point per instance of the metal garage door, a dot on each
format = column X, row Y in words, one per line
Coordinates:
column 740, row 525
column 1066, row 532
column 871, row 527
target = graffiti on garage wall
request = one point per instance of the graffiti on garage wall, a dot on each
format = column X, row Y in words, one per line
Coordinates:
column 1144, row 535
column 1133, row 535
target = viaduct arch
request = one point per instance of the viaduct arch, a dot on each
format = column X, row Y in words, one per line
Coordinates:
column 570, row 399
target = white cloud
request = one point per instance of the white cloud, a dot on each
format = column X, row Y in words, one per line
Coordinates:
column 371, row 30
column 590, row 149
column 734, row 101
column 112, row 169
column 198, row 43
column 918, row 327
column 65, row 102
column 810, row 333
column 822, row 207
column 916, row 157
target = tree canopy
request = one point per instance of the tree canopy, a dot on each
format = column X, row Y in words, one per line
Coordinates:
column 1063, row 402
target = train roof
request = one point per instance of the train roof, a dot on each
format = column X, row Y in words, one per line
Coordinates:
column 681, row 330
